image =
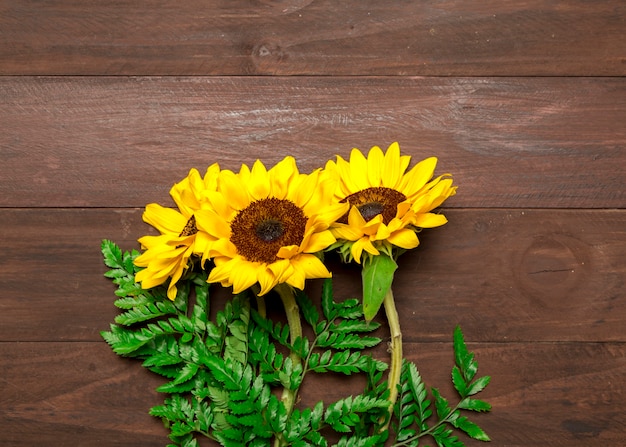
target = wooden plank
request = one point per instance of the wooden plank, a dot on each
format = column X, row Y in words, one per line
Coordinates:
column 504, row 275
column 122, row 142
column 237, row 37
column 557, row 394
column 60, row 394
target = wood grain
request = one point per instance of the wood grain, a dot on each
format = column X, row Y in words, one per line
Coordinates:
column 104, row 105
column 504, row 275
column 75, row 394
column 567, row 394
column 122, row 142
column 282, row 37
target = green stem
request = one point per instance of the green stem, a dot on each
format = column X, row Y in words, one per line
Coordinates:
column 395, row 348
column 260, row 306
column 292, row 311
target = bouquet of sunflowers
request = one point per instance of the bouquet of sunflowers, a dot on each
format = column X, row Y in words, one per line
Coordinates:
column 233, row 376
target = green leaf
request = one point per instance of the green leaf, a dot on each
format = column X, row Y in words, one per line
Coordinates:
column 346, row 362
column 186, row 373
column 124, row 341
column 354, row 326
column 377, row 277
column 478, row 385
column 441, row 405
column 474, row 405
column 162, row 359
column 444, row 438
column 328, row 305
column 308, row 309
column 459, row 381
column 472, row 430
column 464, row 359
column 112, row 254
column 418, row 391
column 348, row 412
column 145, row 312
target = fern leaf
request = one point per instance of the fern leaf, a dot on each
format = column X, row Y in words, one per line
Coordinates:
column 472, row 430
column 464, row 359
column 474, row 405
column 112, row 254
column 145, row 312
column 123, row 341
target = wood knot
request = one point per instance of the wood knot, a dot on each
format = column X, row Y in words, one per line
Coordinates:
column 551, row 266
column 267, row 57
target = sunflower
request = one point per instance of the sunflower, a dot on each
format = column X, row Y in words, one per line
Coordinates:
column 388, row 205
column 268, row 226
column 168, row 254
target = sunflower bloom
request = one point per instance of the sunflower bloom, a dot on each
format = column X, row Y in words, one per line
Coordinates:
column 167, row 256
column 268, row 225
column 388, row 205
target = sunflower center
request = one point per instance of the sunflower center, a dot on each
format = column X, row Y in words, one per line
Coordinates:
column 374, row 201
column 190, row 227
column 371, row 210
column 263, row 227
column 270, row 230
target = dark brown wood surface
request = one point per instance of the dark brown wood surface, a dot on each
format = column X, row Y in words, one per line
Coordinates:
column 104, row 105
column 287, row 37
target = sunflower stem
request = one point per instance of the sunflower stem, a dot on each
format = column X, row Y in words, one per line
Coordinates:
column 260, row 304
column 292, row 311
column 395, row 349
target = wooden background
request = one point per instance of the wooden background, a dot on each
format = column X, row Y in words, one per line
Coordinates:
column 104, row 105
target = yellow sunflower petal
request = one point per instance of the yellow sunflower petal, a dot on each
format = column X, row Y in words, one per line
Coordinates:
column 418, row 176
column 392, row 167
column 382, row 232
column 222, row 247
column 152, row 241
column 355, row 219
column 182, row 193
column 234, row 190
column 220, row 205
column 319, row 241
column 375, row 162
column 346, row 232
column 442, row 191
column 329, row 214
column 307, row 266
column 307, row 196
column 404, row 238
column 373, row 226
column 259, row 182
column 211, row 177
column 358, row 170
column 267, row 280
column 212, row 223
column 430, row 220
column 281, row 269
column 243, row 275
column 221, row 271
column 172, row 291
column 288, row 252
column 166, row 220
column 202, row 243
column 282, row 176
column 362, row 244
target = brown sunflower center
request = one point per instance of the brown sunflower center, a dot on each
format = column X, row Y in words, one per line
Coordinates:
column 190, row 227
column 374, row 201
column 263, row 227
